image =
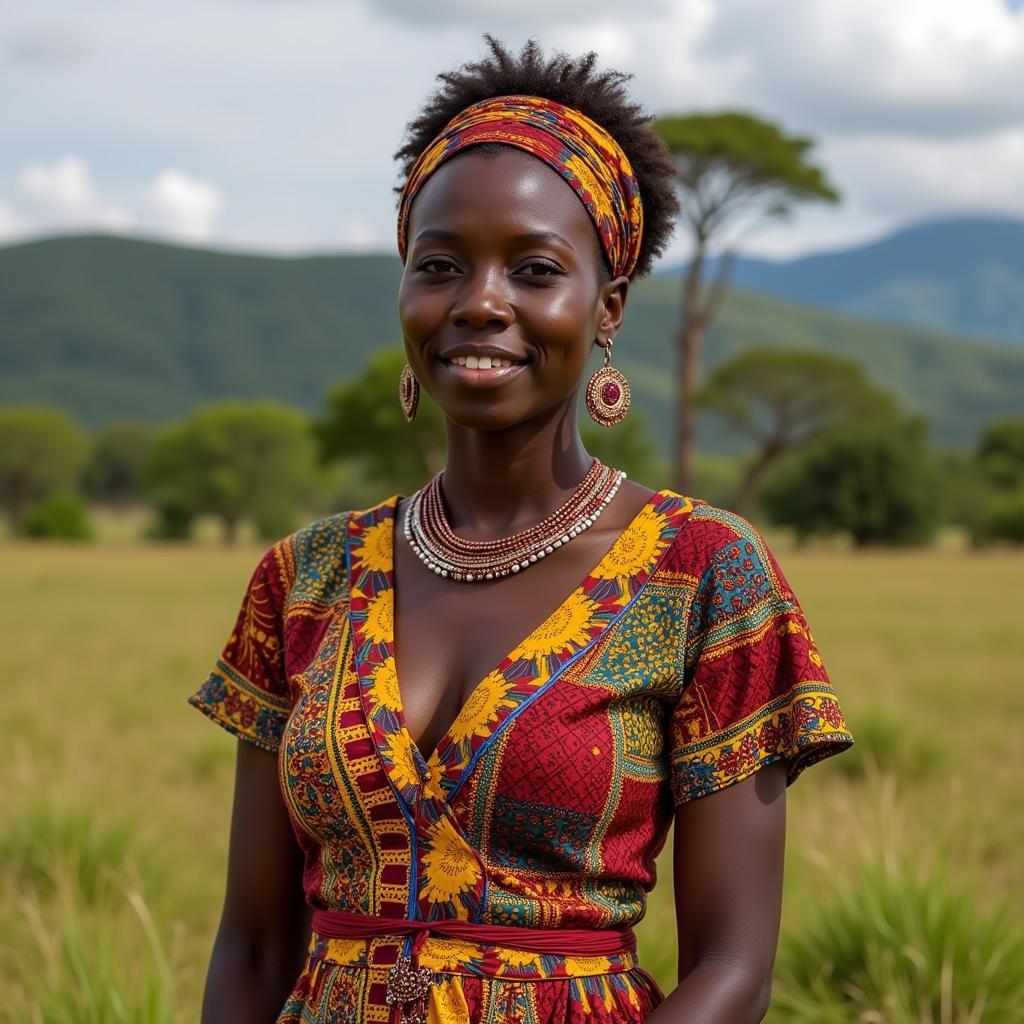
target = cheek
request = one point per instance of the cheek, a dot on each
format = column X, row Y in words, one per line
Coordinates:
column 418, row 312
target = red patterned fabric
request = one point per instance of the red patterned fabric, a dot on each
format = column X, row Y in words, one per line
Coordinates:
column 681, row 664
column 583, row 154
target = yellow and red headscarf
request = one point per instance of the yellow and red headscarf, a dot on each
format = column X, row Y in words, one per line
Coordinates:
column 579, row 149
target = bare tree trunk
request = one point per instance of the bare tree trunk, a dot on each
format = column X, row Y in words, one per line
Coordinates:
column 230, row 529
column 690, row 348
column 750, row 482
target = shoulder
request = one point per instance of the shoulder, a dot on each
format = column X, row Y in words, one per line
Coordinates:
column 307, row 568
column 717, row 549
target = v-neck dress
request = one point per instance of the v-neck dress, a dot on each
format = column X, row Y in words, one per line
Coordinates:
column 680, row 665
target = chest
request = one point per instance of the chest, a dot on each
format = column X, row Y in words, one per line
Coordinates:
column 449, row 636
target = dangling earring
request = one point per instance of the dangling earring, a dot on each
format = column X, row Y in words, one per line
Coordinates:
column 608, row 393
column 408, row 393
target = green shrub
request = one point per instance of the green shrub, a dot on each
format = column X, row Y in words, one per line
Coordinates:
column 1001, row 518
column 61, row 515
column 901, row 942
column 874, row 480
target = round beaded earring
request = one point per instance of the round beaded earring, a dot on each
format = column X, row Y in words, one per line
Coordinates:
column 608, row 392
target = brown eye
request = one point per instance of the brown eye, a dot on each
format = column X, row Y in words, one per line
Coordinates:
column 541, row 269
column 436, row 265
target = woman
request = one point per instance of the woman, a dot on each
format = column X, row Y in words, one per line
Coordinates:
column 485, row 703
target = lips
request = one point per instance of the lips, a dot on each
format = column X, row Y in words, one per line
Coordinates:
column 482, row 369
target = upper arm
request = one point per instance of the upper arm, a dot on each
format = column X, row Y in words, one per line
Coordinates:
column 264, row 903
column 727, row 860
column 756, row 707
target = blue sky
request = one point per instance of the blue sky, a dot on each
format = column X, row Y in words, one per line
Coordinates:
column 269, row 124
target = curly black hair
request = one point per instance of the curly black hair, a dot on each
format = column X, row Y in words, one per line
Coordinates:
column 575, row 82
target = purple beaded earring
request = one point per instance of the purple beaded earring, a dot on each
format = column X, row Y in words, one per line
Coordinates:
column 608, row 393
column 408, row 393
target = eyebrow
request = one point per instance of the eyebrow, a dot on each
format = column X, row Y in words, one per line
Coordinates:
column 527, row 238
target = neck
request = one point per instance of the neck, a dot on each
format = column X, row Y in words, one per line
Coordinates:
column 499, row 482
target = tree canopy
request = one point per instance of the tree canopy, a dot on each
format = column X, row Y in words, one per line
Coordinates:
column 235, row 461
column 874, row 479
column 41, row 450
column 364, row 421
column 782, row 399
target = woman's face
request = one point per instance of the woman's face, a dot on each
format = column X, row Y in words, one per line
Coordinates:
column 503, row 266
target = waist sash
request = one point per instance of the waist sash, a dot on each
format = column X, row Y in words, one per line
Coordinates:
column 408, row 983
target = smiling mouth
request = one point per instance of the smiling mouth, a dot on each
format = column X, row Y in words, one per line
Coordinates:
column 481, row 371
column 482, row 362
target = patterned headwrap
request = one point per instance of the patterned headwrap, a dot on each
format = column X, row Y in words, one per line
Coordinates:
column 579, row 149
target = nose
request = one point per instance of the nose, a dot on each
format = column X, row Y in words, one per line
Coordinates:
column 482, row 301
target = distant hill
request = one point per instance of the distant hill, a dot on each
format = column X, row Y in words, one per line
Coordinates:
column 112, row 327
column 962, row 276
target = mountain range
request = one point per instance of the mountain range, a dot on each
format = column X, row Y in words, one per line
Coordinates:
column 114, row 328
column 959, row 275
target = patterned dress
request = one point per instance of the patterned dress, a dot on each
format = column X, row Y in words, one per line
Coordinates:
column 682, row 664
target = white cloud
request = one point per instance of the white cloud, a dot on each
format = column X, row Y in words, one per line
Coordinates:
column 184, row 207
column 491, row 13
column 61, row 196
column 924, row 67
column 65, row 184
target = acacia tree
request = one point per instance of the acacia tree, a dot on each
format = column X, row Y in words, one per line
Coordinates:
column 783, row 399
column 734, row 170
column 41, row 450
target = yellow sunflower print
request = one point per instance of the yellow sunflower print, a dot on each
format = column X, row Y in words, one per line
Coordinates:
column 568, row 626
column 399, row 749
column 636, row 547
column 450, row 866
column 581, row 966
column 380, row 617
column 447, row 1003
column 432, row 784
column 483, row 708
column 517, row 957
column 377, row 546
column 444, row 954
column 384, row 692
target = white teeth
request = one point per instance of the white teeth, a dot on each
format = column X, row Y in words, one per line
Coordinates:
column 482, row 362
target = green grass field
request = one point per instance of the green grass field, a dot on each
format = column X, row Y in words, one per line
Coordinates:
column 107, row 763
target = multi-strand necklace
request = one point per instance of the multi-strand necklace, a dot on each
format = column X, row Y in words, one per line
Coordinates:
column 436, row 545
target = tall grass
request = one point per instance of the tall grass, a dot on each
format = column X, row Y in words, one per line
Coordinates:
column 88, row 965
column 82, row 947
column 902, row 938
column 51, row 839
column 888, row 742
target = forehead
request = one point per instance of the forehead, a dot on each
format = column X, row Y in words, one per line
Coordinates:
column 504, row 190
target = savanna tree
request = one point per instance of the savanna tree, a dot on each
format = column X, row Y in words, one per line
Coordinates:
column 735, row 171
column 783, row 399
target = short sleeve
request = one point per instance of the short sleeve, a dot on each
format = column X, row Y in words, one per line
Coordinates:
column 247, row 692
column 755, row 688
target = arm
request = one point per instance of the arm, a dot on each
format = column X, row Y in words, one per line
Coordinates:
column 728, row 857
column 264, row 929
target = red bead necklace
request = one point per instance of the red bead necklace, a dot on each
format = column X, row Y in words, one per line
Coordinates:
column 437, row 546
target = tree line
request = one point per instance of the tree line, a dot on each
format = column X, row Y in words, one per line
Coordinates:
column 828, row 453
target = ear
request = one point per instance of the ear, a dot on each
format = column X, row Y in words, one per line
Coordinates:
column 612, row 307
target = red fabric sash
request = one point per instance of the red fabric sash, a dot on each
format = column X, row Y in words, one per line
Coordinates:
column 340, row 924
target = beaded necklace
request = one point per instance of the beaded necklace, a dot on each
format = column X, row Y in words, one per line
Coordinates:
column 436, row 545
